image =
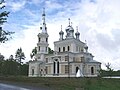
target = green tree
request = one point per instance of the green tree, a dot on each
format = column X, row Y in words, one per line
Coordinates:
column 19, row 55
column 1, row 57
column 50, row 51
column 4, row 35
column 9, row 67
column 34, row 51
column 11, row 58
column 24, row 69
column 109, row 69
column 1, row 63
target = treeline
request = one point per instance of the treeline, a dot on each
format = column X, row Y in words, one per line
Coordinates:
column 8, row 67
column 109, row 72
column 13, row 66
column 104, row 73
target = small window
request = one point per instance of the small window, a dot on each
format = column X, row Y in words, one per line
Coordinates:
column 46, row 49
column 59, row 49
column 46, row 39
column 68, row 48
column 39, row 48
column 63, row 49
column 39, row 39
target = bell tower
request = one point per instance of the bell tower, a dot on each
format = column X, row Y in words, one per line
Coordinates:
column 42, row 45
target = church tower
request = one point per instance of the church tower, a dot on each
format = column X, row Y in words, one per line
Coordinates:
column 69, row 31
column 61, row 33
column 42, row 45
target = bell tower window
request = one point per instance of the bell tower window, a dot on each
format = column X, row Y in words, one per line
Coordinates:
column 39, row 48
column 68, row 48
column 46, row 39
column 59, row 49
column 39, row 39
column 63, row 49
column 46, row 49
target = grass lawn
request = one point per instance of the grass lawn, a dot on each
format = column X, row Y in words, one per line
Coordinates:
column 68, row 83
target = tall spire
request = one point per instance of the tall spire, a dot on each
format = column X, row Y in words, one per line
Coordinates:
column 69, row 21
column 43, row 16
column 61, row 27
column 43, row 28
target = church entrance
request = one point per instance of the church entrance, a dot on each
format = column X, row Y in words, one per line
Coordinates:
column 56, row 67
column 77, row 68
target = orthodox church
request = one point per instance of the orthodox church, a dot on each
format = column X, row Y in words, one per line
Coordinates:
column 70, row 58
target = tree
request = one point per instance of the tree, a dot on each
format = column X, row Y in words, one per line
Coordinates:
column 11, row 58
column 4, row 35
column 24, row 69
column 34, row 51
column 20, row 55
column 109, row 69
column 50, row 51
column 1, row 57
column 10, row 67
column 108, row 66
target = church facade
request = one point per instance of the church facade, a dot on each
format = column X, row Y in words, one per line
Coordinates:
column 70, row 58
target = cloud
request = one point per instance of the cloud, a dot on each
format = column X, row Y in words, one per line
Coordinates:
column 16, row 6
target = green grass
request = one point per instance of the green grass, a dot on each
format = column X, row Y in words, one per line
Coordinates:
column 68, row 83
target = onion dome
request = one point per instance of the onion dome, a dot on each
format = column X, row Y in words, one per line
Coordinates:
column 61, row 32
column 71, row 29
column 85, row 46
column 77, row 33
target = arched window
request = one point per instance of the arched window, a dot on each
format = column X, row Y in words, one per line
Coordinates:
column 39, row 39
column 46, row 49
column 32, row 71
column 68, row 48
column 59, row 49
column 39, row 48
column 46, row 39
column 63, row 49
column 56, row 67
column 92, row 70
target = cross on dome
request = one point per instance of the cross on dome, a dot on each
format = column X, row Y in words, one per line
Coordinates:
column 69, row 21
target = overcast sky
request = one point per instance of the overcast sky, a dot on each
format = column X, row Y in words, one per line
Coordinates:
column 98, row 22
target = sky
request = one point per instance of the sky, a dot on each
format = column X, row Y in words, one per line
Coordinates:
column 98, row 22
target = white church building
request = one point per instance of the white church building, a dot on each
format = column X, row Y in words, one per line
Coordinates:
column 70, row 58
